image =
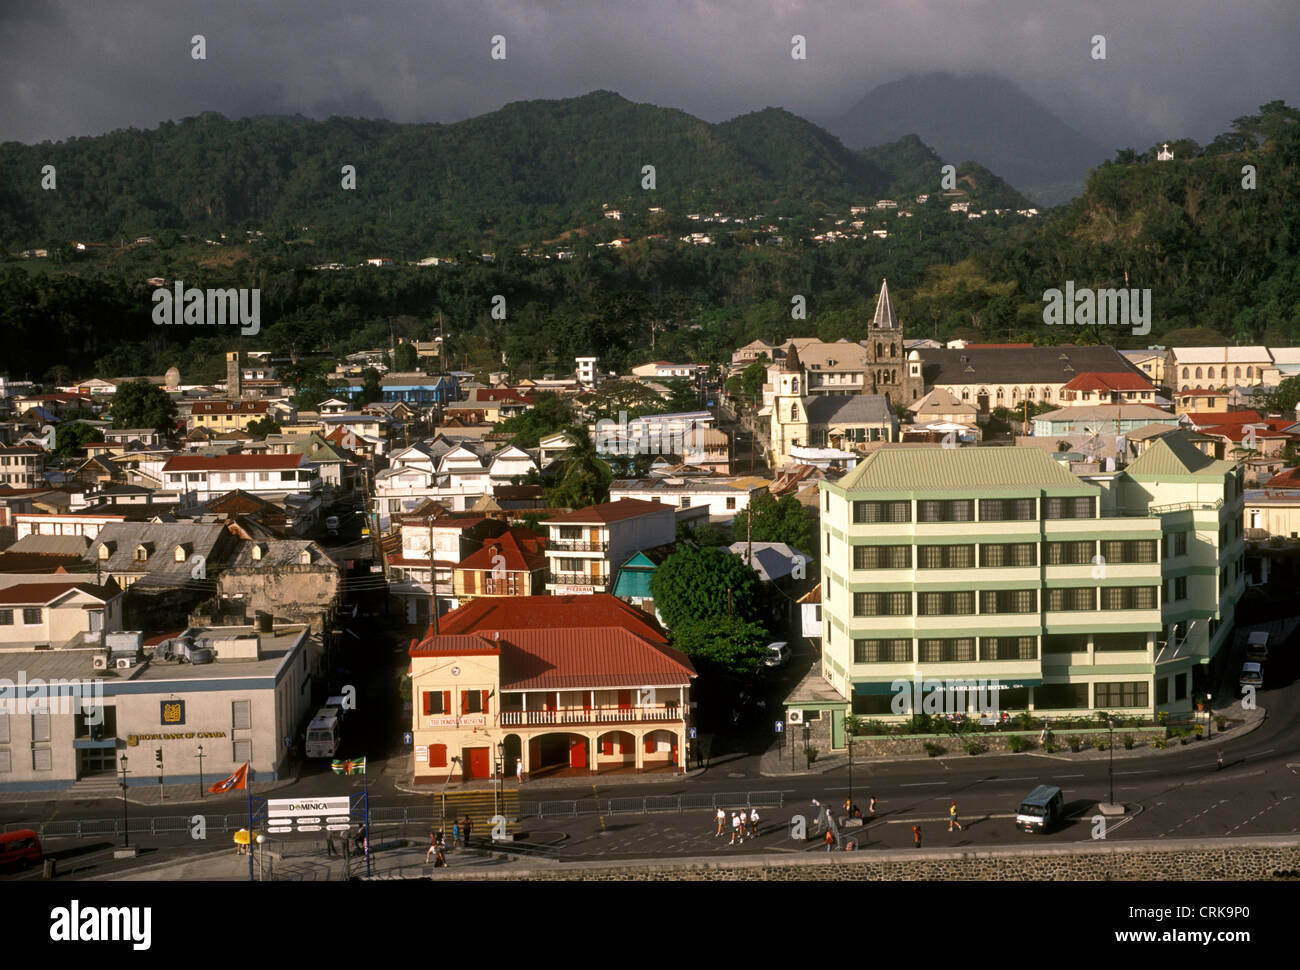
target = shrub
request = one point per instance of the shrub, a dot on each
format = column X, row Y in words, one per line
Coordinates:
column 1128, row 742
column 811, row 753
column 1017, row 743
column 1101, row 745
column 1159, row 743
column 1220, row 721
column 975, row 747
column 932, row 749
column 1075, row 742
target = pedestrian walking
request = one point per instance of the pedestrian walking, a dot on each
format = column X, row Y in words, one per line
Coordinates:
column 735, row 828
column 952, row 817
column 434, row 838
column 871, row 806
column 469, row 828
column 753, row 822
column 455, row 832
column 519, row 769
column 440, row 857
column 916, row 835
column 817, row 813
column 331, row 845
column 722, row 822
column 830, row 840
column 1219, row 760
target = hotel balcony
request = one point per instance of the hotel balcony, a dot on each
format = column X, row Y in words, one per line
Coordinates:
column 597, row 583
column 576, row 545
column 592, row 715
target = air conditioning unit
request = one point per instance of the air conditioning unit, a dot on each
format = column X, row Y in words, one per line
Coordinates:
column 124, row 663
column 99, row 661
column 795, row 717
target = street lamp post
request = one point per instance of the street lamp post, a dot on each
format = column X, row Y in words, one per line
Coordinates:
column 807, row 735
column 1110, row 726
column 496, row 800
column 126, row 834
column 850, row 773
column 200, row 757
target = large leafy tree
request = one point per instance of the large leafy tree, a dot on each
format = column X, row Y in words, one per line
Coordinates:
column 724, row 644
column 692, row 585
column 549, row 414
column 625, row 397
column 71, row 436
column 143, row 405
column 682, row 396
column 405, row 357
column 778, row 520
column 583, row 477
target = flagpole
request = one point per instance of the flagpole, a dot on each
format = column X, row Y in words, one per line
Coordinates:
column 365, row 774
column 248, row 790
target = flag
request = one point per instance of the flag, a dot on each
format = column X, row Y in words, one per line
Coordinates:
column 238, row 780
column 349, row 766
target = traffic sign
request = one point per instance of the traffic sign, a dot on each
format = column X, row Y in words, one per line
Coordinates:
column 692, row 734
column 780, row 726
column 407, row 738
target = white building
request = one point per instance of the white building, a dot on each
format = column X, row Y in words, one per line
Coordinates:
column 204, row 477
column 585, row 547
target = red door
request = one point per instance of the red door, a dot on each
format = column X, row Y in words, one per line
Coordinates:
column 578, row 754
column 478, row 766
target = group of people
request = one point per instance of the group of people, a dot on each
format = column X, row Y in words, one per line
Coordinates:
column 742, row 824
column 460, row 833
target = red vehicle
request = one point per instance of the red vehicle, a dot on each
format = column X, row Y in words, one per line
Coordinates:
column 20, row 848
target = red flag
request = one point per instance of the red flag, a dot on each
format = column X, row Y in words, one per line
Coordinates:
column 238, row 780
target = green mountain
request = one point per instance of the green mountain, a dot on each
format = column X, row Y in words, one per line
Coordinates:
column 914, row 168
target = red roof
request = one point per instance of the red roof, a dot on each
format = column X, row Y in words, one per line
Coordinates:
column 594, row 658
column 491, row 614
column 521, row 550
column 229, row 407
column 1207, row 418
column 1236, row 432
column 628, row 508
column 1287, row 478
column 42, row 593
column 997, row 346
column 1108, row 381
column 226, row 463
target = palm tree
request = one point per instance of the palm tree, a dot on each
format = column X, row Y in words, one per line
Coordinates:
column 583, row 476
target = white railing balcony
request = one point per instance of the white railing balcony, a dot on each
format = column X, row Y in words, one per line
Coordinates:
column 593, row 715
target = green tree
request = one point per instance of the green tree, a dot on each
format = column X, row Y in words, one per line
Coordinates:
column 549, row 414
column 263, row 427
column 753, row 377
column 682, row 396
column 1283, row 398
column 625, row 397
column 70, row 438
column 693, row 584
column 778, row 520
column 726, row 645
column 143, row 405
column 371, row 390
column 405, row 358
column 583, row 478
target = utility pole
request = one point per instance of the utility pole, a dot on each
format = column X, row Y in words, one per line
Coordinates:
column 749, row 534
column 433, row 582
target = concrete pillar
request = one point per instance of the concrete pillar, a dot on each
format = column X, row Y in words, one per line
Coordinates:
column 639, row 741
column 592, row 751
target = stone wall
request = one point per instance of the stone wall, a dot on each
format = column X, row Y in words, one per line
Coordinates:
column 1218, row 859
column 876, row 746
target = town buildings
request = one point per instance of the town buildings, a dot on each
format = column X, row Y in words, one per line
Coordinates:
column 585, row 547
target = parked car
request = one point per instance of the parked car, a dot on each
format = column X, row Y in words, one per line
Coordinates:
column 19, row 848
column 332, row 524
column 1252, row 675
column 1257, row 648
column 780, row 654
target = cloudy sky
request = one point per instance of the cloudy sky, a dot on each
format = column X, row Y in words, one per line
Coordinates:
column 1172, row 67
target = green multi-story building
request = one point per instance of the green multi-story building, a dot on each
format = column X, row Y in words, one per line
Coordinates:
column 1069, row 593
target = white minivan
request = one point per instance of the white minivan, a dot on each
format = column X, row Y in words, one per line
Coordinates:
column 779, row 654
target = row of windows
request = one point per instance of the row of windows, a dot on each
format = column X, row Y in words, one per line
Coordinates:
column 963, row 510
column 471, row 702
column 945, row 649
column 1223, row 372
column 1005, row 554
column 31, row 616
column 962, row 602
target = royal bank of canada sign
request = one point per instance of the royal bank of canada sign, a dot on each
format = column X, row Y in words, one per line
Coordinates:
column 286, row 815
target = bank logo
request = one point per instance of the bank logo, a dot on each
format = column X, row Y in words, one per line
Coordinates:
column 194, row 307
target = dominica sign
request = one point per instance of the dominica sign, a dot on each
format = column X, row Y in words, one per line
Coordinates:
column 285, row 815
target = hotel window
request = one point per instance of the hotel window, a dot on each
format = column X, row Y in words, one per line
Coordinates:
column 1180, row 686
column 570, row 532
column 882, row 651
column 1008, row 601
column 1081, row 507
column 242, row 751
column 1009, row 554
column 1008, row 509
column 952, row 603
column 1179, row 588
column 1119, row 642
column 1008, row 648
column 945, row 557
column 1129, row 550
column 1129, row 694
column 1071, row 599
column 241, row 715
column 1180, row 543
column 32, row 616
column 1162, row 691
column 949, row 510
column 871, row 512
column 882, row 557
column 1068, row 553
column 947, row 650
column 1129, row 598
column 1065, row 643
column 882, row 604
column 571, row 565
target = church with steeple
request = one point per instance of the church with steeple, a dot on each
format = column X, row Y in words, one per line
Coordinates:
column 842, row 395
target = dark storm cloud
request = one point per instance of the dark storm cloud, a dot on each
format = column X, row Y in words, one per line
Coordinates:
column 1173, row 67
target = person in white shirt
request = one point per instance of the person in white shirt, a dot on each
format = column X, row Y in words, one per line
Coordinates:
column 722, row 821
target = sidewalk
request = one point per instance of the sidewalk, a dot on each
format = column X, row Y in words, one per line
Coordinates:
column 775, row 762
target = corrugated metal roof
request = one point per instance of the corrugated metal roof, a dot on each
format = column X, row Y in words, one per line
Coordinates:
column 1173, row 454
column 933, row 468
column 572, row 658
